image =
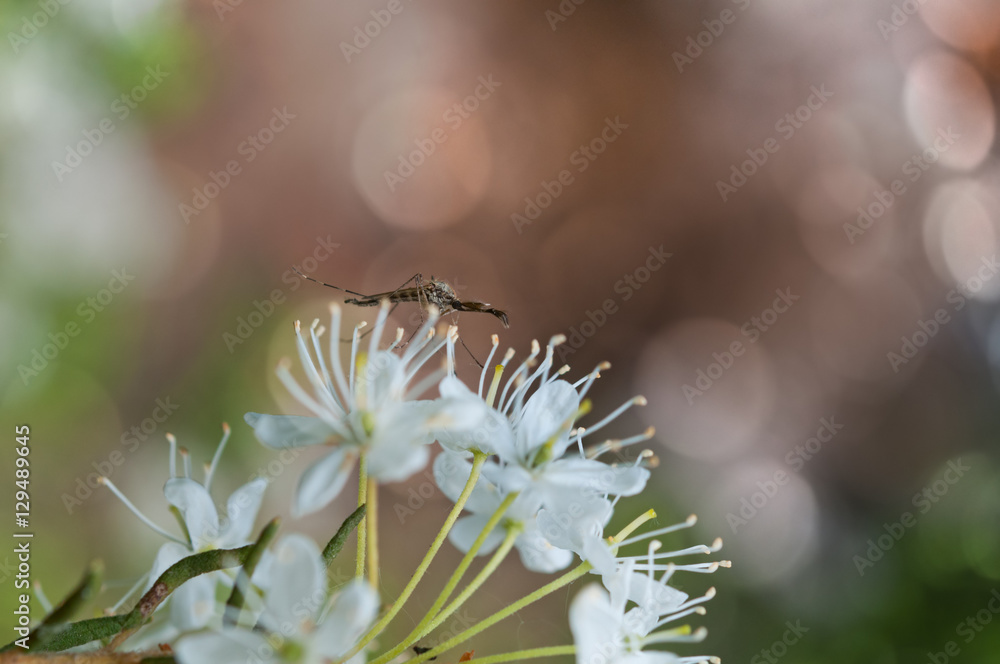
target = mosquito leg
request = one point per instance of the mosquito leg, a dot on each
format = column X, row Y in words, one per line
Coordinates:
column 323, row 283
column 371, row 329
column 470, row 353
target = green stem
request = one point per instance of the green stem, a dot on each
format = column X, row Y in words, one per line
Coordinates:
column 474, row 585
column 477, row 465
column 547, row 589
column 531, row 653
column 359, row 567
column 422, row 628
column 372, row 522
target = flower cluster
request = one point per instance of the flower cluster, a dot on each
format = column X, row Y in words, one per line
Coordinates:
column 512, row 455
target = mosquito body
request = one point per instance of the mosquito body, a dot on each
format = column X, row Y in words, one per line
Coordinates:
column 426, row 293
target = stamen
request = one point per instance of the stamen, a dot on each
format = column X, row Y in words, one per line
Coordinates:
column 482, row 374
column 338, row 369
column 591, row 377
column 398, row 340
column 218, row 453
column 315, row 330
column 36, row 590
column 376, row 337
column 135, row 510
column 131, row 591
column 285, row 376
column 173, row 455
column 521, row 370
column 634, row 401
column 690, row 521
column 355, row 339
column 497, row 373
column 425, row 384
column 186, row 459
column 311, row 373
column 616, row 445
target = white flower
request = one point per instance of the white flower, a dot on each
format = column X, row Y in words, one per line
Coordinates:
column 604, row 632
column 537, row 554
column 530, row 436
column 295, row 626
column 632, row 577
column 369, row 409
column 192, row 606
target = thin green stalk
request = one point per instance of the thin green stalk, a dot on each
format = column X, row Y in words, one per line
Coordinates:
column 422, row 627
column 372, row 519
column 547, row 589
column 359, row 566
column 531, row 653
column 477, row 465
column 474, row 585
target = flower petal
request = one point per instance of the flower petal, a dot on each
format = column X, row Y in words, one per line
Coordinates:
column 298, row 583
column 192, row 605
column 169, row 553
column 596, row 626
column 242, row 508
column 465, row 531
column 353, row 612
column 547, row 411
column 569, row 520
column 597, row 477
column 230, row 646
column 196, row 508
column 280, row 432
column 451, row 472
column 539, row 555
column 323, row 480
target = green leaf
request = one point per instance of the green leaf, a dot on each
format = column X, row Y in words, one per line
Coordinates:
column 334, row 546
column 237, row 599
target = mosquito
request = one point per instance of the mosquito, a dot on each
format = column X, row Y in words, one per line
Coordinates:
column 426, row 293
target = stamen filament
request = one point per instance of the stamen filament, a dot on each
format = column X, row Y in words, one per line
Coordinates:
column 226, row 431
column 135, row 510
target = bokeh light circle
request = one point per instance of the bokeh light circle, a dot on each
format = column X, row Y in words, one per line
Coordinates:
column 420, row 161
column 705, row 402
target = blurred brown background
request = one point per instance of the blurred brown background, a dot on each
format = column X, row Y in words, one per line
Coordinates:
column 813, row 181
